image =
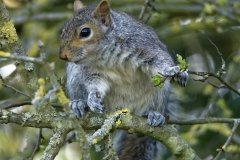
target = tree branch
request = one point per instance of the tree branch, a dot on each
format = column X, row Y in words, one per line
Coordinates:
column 166, row 134
column 25, row 69
column 55, row 144
column 17, row 104
column 236, row 124
column 40, row 137
column 16, row 90
column 206, row 75
column 146, row 4
column 202, row 121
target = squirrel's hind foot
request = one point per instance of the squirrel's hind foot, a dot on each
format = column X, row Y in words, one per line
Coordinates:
column 154, row 118
column 78, row 107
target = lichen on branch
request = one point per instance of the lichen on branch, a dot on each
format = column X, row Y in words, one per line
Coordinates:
column 8, row 32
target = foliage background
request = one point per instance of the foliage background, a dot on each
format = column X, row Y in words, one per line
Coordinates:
column 183, row 25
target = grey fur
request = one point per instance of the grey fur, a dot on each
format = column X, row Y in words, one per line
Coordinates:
column 117, row 73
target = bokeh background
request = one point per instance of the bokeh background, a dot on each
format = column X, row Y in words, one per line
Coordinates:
column 185, row 26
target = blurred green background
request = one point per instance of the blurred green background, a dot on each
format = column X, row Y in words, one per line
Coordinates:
column 183, row 25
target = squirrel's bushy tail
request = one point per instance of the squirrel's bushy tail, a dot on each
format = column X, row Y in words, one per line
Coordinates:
column 139, row 147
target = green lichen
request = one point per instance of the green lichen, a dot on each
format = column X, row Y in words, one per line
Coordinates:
column 32, row 83
column 5, row 114
column 26, row 117
column 8, row 32
column 180, row 150
column 55, row 139
column 29, row 66
column 95, row 120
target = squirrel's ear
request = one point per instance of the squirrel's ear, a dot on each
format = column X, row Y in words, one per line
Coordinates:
column 77, row 5
column 102, row 12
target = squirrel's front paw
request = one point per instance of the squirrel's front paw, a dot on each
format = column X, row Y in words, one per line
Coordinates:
column 78, row 107
column 171, row 71
column 181, row 78
column 95, row 102
column 154, row 118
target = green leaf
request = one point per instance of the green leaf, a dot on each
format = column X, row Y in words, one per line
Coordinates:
column 48, row 79
column 157, row 80
column 182, row 63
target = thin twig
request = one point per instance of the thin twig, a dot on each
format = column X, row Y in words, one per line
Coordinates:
column 220, row 54
column 25, row 58
column 222, row 70
column 47, row 96
column 236, row 123
column 40, row 137
column 149, row 15
column 17, row 104
column 55, row 105
column 210, row 107
column 202, row 121
column 17, row 91
column 215, row 86
column 153, row 8
column 146, row 3
column 217, row 77
column 201, row 80
column 224, row 82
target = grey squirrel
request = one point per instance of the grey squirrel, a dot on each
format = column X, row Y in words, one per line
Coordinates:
column 111, row 58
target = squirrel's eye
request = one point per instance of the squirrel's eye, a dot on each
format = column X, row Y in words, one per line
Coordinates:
column 85, row 32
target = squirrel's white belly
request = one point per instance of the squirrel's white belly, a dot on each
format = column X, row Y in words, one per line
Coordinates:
column 132, row 90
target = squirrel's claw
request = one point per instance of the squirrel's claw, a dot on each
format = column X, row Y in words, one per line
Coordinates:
column 181, row 78
column 78, row 107
column 94, row 103
column 154, row 118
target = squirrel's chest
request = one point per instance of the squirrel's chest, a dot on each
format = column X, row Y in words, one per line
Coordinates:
column 128, row 89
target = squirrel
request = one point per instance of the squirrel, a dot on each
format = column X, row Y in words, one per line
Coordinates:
column 111, row 59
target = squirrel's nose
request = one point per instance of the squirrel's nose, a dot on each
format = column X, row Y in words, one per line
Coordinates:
column 63, row 57
column 65, row 54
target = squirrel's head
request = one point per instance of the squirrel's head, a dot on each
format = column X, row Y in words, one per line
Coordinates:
column 81, row 34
